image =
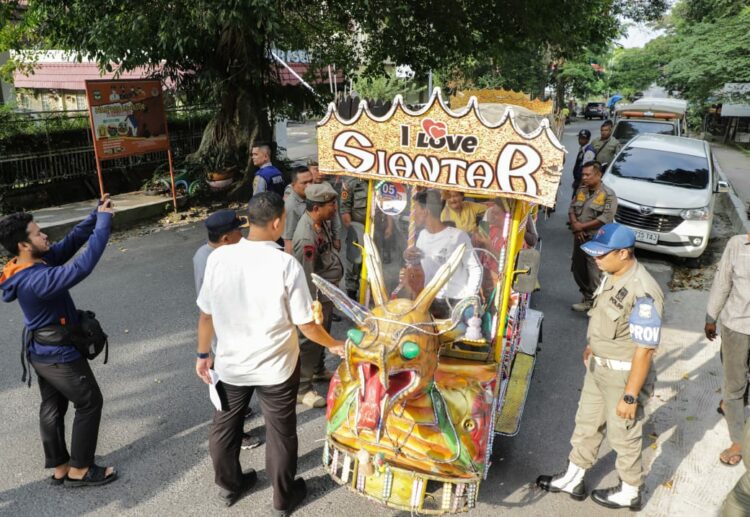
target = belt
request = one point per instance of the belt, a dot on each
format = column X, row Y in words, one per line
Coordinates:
column 613, row 364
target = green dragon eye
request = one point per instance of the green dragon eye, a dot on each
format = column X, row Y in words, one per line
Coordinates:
column 409, row 350
column 355, row 335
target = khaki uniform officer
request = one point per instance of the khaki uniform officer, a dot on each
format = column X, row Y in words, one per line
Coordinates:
column 313, row 247
column 737, row 502
column 606, row 146
column 593, row 206
column 353, row 215
column 624, row 331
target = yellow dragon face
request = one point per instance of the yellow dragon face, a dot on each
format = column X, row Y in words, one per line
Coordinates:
column 393, row 354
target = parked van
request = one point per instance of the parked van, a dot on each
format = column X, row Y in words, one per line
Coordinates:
column 650, row 115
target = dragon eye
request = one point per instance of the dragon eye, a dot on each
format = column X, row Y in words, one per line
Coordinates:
column 409, row 350
column 355, row 335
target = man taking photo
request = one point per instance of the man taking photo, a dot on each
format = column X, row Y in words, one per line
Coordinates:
column 40, row 277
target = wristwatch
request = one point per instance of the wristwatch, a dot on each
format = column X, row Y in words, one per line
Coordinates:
column 629, row 399
column 204, row 355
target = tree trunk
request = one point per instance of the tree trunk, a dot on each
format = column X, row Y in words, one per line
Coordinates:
column 227, row 139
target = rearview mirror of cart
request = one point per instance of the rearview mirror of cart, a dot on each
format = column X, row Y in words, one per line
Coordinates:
column 722, row 187
column 527, row 271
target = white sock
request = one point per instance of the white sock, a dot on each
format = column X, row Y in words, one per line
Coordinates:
column 626, row 494
column 570, row 480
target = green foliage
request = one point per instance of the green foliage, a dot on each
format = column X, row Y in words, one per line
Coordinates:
column 708, row 54
column 385, row 88
column 707, row 45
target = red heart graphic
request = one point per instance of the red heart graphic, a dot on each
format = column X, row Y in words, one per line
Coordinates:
column 434, row 129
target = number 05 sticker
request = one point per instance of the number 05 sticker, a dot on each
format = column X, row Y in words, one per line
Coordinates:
column 391, row 198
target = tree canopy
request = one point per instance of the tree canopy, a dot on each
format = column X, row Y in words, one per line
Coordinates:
column 707, row 44
column 220, row 51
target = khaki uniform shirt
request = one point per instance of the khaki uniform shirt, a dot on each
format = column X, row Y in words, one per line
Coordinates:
column 609, row 332
column 605, row 151
column 600, row 204
column 313, row 248
column 354, row 199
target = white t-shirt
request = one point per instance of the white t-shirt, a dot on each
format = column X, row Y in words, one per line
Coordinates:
column 437, row 249
column 255, row 294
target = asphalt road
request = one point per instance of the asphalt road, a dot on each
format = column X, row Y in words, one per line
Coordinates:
column 156, row 413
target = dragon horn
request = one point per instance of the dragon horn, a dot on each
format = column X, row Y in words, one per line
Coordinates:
column 349, row 307
column 444, row 273
column 375, row 272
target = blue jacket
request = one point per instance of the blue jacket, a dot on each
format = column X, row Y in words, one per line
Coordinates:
column 42, row 289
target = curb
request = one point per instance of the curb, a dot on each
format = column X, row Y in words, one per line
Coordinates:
column 125, row 218
column 731, row 203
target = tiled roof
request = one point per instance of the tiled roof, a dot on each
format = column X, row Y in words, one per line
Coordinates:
column 67, row 76
column 71, row 76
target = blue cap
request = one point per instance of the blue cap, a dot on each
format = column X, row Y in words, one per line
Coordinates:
column 610, row 237
column 223, row 221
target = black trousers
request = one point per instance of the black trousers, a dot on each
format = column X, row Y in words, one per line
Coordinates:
column 585, row 272
column 278, row 404
column 59, row 385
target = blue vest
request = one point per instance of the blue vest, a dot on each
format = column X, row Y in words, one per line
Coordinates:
column 273, row 178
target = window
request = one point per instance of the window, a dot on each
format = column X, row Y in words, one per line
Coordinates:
column 627, row 129
column 681, row 170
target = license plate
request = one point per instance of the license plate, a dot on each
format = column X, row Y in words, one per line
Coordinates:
column 647, row 237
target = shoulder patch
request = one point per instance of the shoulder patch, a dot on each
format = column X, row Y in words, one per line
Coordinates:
column 308, row 251
column 645, row 323
column 600, row 198
column 344, row 194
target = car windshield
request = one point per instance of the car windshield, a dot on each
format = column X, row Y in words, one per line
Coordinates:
column 681, row 170
column 627, row 129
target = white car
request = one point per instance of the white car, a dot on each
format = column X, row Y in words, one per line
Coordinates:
column 666, row 190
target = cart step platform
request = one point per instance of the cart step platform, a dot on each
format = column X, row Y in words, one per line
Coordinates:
column 509, row 419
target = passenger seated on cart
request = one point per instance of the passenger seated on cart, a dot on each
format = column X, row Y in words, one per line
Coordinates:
column 435, row 243
column 465, row 214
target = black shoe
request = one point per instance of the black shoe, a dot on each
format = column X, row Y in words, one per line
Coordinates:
column 602, row 497
column 299, row 492
column 545, row 483
column 250, row 442
column 335, row 317
column 249, row 478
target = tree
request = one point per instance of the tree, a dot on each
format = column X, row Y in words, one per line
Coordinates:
column 220, row 51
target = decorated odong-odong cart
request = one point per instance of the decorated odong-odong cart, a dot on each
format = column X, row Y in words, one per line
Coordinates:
column 440, row 355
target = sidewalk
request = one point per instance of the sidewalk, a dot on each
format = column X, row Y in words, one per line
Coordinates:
column 734, row 166
column 130, row 208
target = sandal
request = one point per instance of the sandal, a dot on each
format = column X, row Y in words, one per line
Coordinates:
column 95, row 476
column 730, row 459
column 56, row 481
column 720, row 409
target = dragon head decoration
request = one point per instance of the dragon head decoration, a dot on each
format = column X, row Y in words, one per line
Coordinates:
column 387, row 396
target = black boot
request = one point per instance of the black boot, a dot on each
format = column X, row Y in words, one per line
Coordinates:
column 249, row 478
column 577, row 492
column 615, row 499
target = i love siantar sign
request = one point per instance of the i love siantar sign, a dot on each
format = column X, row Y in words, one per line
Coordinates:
column 435, row 147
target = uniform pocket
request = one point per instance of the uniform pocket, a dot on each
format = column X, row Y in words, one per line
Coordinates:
column 609, row 322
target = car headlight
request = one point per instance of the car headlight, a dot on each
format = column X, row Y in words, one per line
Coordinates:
column 695, row 214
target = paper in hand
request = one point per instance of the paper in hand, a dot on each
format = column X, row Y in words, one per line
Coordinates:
column 213, row 392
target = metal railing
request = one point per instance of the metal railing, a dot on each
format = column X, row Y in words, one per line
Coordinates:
column 60, row 153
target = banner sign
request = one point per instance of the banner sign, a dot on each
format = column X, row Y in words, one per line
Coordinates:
column 437, row 148
column 127, row 117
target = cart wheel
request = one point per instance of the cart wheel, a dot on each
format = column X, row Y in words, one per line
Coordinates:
column 181, row 183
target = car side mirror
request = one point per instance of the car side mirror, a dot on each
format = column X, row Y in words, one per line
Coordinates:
column 722, row 187
column 527, row 271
